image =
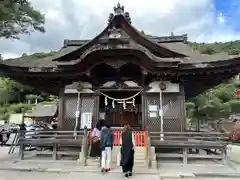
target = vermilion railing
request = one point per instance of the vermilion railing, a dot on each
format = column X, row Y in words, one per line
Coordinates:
column 140, row 138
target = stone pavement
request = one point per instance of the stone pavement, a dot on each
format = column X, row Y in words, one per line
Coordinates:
column 233, row 152
column 4, row 154
column 18, row 175
column 166, row 169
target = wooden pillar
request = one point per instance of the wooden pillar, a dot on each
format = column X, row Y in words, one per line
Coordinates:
column 144, row 110
column 96, row 108
column 185, row 155
column 61, row 108
column 182, row 109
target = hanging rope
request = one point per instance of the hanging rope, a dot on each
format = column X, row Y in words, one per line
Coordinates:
column 123, row 99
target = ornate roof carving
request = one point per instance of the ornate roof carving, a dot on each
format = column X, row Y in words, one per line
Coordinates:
column 119, row 10
column 114, row 33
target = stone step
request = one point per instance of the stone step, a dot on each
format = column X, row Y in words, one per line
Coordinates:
column 154, row 164
column 138, row 163
column 138, row 150
column 139, row 155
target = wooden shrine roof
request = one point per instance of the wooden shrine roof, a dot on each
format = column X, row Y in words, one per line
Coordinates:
column 192, row 56
column 121, row 40
column 157, row 57
column 165, row 49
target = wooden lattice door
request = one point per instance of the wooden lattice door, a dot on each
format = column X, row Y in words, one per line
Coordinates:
column 118, row 119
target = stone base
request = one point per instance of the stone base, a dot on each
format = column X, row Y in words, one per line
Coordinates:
column 80, row 160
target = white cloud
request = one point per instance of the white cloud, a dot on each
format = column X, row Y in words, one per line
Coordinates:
column 9, row 56
column 221, row 19
column 76, row 19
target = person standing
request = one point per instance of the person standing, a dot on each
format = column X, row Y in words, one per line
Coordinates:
column 1, row 137
column 127, row 151
column 96, row 135
column 106, row 144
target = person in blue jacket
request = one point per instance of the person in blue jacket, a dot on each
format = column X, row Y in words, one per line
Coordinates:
column 106, row 144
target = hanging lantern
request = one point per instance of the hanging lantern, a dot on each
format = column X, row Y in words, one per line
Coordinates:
column 162, row 86
column 106, row 102
column 113, row 104
column 133, row 102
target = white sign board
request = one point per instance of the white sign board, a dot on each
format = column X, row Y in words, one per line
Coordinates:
column 86, row 120
column 153, row 114
column 152, row 108
column 102, row 116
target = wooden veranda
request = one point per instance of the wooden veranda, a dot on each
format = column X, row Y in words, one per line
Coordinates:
column 187, row 144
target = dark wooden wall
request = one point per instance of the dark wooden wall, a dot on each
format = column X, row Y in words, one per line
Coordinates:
column 173, row 105
column 174, row 112
column 88, row 103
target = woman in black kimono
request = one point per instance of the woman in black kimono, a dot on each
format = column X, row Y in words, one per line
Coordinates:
column 127, row 151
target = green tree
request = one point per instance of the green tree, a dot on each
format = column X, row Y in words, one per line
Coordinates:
column 233, row 51
column 234, row 105
column 11, row 91
column 6, row 91
column 225, row 92
column 208, row 50
column 190, row 110
column 19, row 17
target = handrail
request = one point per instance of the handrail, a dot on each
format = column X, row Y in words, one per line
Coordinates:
column 52, row 131
column 51, row 138
column 14, row 143
column 186, row 136
column 190, row 133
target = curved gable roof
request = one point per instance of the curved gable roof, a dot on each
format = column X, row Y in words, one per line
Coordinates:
column 121, row 21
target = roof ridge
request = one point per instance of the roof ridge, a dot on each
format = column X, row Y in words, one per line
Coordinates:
column 158, row 39
column 171, row 38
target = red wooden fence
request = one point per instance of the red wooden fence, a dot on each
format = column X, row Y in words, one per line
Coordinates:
column 139, row 137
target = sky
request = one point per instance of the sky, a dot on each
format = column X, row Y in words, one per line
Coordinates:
column 202, row 20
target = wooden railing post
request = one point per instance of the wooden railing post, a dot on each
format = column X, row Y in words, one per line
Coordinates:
column 149, row 151
column 84, row 149
column 85, row 137
column 22, row 145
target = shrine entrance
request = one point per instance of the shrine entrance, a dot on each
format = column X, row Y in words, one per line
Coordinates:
column 119, row 112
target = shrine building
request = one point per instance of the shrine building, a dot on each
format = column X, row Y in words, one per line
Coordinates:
column 124, row 76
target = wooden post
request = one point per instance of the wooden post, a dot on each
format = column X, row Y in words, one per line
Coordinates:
column 83, row 155
column 183, row 109
column 85, row 145
column 144, row 110
column 224, row 155
column 22, row 145
column 149, row 150
column 185, row 160
column 61, row 108
column 54, row 156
